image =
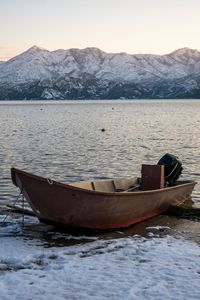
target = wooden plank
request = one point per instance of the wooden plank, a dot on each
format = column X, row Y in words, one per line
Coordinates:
column 152, row 177
column 21, row 210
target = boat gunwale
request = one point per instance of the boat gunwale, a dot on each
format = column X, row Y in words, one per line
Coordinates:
column 79, row 189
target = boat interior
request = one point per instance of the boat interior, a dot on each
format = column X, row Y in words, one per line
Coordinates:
column 152, row 178
column 116, row 185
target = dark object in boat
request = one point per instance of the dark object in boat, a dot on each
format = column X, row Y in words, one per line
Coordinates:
column 173, row 167
column 152, row 177
column 97, row 204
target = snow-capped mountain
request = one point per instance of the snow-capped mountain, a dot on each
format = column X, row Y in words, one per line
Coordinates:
column 93, row 74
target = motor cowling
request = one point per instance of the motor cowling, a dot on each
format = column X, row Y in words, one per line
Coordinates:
column 173, row 167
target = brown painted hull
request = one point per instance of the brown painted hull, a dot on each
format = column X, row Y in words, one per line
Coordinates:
column 70, row 206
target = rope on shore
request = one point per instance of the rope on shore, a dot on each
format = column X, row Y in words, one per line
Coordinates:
column 7, row 215
column 23, row 210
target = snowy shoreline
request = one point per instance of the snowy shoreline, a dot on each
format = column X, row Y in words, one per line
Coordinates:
column 99, row 266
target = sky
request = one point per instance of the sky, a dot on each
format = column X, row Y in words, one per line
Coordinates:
column 132, row 26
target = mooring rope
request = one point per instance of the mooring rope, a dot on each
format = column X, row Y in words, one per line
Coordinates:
column 23, row 217
column 7, row 215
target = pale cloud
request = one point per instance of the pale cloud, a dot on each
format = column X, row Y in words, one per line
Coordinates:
column 7, row 52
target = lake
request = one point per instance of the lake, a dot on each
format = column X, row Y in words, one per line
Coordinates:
column 63, row 140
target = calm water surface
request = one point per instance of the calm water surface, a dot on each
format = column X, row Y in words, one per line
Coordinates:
column 63, row 139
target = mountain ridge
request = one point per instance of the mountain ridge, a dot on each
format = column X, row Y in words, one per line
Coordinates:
column 91, row 73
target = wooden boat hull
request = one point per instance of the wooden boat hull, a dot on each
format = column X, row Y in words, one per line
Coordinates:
column 70, row 206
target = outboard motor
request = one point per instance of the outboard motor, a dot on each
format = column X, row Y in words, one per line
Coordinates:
column 173, row 167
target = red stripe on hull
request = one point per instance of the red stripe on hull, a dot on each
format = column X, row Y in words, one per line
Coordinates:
column 127, row 223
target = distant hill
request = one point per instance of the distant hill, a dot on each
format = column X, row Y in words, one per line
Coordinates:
column 93, row 74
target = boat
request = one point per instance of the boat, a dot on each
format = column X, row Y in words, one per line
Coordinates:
column 99, row 204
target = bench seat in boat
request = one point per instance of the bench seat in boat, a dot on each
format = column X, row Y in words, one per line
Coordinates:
column 116, row 185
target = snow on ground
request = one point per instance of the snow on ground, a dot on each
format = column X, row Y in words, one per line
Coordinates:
column 127, row 268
